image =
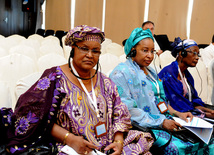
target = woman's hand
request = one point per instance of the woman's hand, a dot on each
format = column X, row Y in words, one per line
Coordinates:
column 208, row 112
column 79, row 144
column 185, row 115
column 117, row 147
column 171, row 125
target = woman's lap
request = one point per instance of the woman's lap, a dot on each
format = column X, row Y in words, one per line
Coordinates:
column 179, row 147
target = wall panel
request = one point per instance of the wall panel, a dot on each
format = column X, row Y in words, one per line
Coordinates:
column 58, row 15
column 122, row 16
column 202, row 21
column 89, row 12
column 170, row 17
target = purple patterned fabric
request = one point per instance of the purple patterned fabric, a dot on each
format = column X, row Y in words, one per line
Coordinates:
column 62, row 102
column 81, row 32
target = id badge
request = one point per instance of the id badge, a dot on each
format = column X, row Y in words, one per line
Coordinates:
column 162, row 107
column 100, row 129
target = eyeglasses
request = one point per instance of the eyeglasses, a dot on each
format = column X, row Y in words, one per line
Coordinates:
column 195, row 53
column 145, row 51
column 86, row 50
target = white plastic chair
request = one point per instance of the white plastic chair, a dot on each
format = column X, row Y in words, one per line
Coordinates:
column 8, row 43
column 50, row 40
column 108, row 62
column 155, row 64
column 25, row 50
column 114, row 49
column 23, row 84
column 36, row 37
column 166, row 58
column 66, row 49
column 210, row 99
column 200, row 80
column 14, row 67
column 104, row 44
column 35, row 44
column 50, row 60
column 17, row 38
column 50, row 48
column 6, row 98
column 3, row 52
column 2, row 37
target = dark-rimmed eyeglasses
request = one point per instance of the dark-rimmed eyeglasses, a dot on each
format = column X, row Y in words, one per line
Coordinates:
column 195, row 53
column 86, row 50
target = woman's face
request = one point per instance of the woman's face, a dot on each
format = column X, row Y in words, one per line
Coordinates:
column 192, row 57
column 145, row 52
column 86, row 54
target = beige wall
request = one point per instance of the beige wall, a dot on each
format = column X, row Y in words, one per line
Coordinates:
column 57, row 15
column 202, row 23
column 88, row 12
column 122, row 16
column 169, row 17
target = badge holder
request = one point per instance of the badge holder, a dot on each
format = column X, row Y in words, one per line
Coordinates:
column 100, row 129
column 162, row 107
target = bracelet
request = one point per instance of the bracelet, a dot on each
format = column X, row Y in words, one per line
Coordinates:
column 118, row 141
column 66, row 136
column 174, row 112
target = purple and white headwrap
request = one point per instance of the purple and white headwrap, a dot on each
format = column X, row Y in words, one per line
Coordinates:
column 178, row 45
column 84, row 33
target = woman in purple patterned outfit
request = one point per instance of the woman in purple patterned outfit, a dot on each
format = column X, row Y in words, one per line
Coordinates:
column 76, row 105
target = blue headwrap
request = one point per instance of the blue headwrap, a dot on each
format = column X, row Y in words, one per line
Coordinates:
column 178, row 45
column 137, row 35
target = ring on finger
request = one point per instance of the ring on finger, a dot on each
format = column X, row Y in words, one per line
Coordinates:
column 86, row 152
column 174, row 129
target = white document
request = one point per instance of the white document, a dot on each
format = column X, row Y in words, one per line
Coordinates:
column 70, row 151
column 199, row 127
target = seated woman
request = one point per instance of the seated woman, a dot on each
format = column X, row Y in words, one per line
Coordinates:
column 76, row 105
column 141, row 90
column 178, row 82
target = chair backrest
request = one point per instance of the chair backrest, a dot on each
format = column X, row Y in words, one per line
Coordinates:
column 25, row 50
column 6, row 97
column 50, row 48
column 50, row 60
column 50, row 40
column 33, row 43
column 199, row 74
column 36, row 37
column 7, row 43
column 166, row 58
column 211, row 83
column 40, row 32
column 108, row 62
column 104, row 44
column 3, row 52
column 66, row 49
column 13, row 67
column 114, row 49
column 49, row 33
column 17, row 38
column 23, row 84
column 59, row 34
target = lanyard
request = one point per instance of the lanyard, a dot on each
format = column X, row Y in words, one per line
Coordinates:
column 94, row 102
column 155, row 83
column 186, row 84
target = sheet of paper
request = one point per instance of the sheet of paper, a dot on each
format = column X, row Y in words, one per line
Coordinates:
column 196, row 122
column 70, row 151
column 203, row 133
column 199, row 127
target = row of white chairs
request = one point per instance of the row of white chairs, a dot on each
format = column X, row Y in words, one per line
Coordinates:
column 20, row 64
